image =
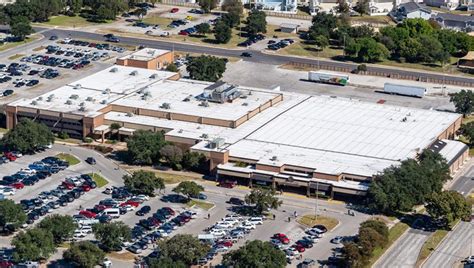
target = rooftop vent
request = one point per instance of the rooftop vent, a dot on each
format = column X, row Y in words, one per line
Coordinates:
column 74, row 97
column 134, row 73
column 82, row 104
column 50, row 98
column 180, row 131
column 103, row 102
column 204, row 103
column 40, row 98
column 106, row 91
column 216, row 143
column 204, row 136
column 245, row 104
column 404, row 119
column 90, row 99
column 154, row 76
column 77, row 86
column 69, row 102
column 274, row 158
column 34, row 103
column 146, row 95
column 186, row 99
column 129, row 114
column 82, row 108
column 165, row 105
column 243, row 96
column 113, row 70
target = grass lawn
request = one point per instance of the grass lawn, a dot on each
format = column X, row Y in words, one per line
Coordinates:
column 170, row 178
column 383, row 19
column 311, row 220
column 200, row 204
column 68, row 21
column 70, row 140
column 125, row 256
column 72, row 160
column 99, row 179
column 304, row 50
column 16, row 56
column 430, row 245
column 156, row 19
column 9, row 45
column 393, row 234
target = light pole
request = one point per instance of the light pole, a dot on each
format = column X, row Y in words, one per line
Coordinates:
column 317, row 201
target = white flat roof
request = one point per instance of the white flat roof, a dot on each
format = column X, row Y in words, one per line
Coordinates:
column 122, row 79
column 174, row 92
column 146, row 54
column 451, row 150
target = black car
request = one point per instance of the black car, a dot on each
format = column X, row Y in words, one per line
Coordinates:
column 28, row 182
column 144, row 210
column 104, row 219
column 236, row 201
column 246, row 54
column 91, row 160
column 32, row 83
column 174, row 198
column 53, row 37
column 7, row 92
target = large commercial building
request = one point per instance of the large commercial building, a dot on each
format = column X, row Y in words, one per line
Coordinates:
column 290, row 141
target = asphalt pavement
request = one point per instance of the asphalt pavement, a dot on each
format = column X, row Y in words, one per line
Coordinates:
column 257, row 55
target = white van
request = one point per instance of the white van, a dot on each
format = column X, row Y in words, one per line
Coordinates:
column 112, row 212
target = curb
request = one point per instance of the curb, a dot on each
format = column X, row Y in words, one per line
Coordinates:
column 391, row 246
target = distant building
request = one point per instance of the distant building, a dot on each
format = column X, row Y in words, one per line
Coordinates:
column 4, row 2
column 289, row 28
column 148, row 58
column 466, row 63
column 446, row 4
column 455, row 22
column 410, row 10
column 275, row 5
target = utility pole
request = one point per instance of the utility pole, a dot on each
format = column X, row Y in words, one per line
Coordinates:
column 317, row 201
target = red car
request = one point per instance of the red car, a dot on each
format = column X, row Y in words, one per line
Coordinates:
column 68, row 185
column 99, row 207
column 132, row 203
column 282, row 237
column 226, row 184
column 174, row 10
column 9, row 156
column 17, row 185
column 299, row 248
column 86, row 188
column 183, row 33
column 6, row 264
column 226, row 243
column 88, row 214
column 170, row 210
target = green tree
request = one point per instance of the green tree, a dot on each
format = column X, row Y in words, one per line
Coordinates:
column 231, row 19
column 256, row 22
column 463, row 101
column 194, row 161
column 75, row 5
column 111, row 235
column 165, row 263
column 206, row 68
column 352, row 255
column 467, row 131
column 263, row 199
column 11, row 215
column 233, row 6
column 62, row 227
column 143, row 182
column 189, row 189
column 367, row 50
column 203, row 28
column 222, row 33
column 342, row 7
column 322, row 24
column 172, row 68
column 322, row 42
column 410, row 49
column 362, row 7
column 172, row 154
column 20, row 27
column 207, row 5
column 27, row 136
column 255, row 253
column 33, row 245
column 448, row 206
column 144, row 147
column 84, row 254
column 183, row 248
column 417, row 27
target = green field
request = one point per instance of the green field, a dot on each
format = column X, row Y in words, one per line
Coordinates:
column 72, row 160
column 200, row 204
column 311, row 220
column 9, row 45
column 430, row 245
column 67, row 21
column 99, row 179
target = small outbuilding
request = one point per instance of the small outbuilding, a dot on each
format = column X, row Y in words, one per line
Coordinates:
column 289, row 28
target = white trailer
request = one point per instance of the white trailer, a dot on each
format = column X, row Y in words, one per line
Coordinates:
column 328, row 78
column 404, row 90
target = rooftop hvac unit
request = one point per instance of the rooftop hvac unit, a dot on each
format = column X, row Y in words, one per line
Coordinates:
column 216, row 143
column 245, row 104
column 103, row 102
column 221, row 92
column 106, row 91
column 40, row 98
column 90, row 99
column 77, row 86
column 274, row 158
column 204, row 103
column 50, row 98
column 82, row 104
column 82, row 109
column 129, row 114
column 204, row 136
column 34, row 103
column 166, row 106
column 154, row 76
column 143, row 90
column 69, row 102
column 114, row 70
column 146, row 95
column 74, row 97
column 134, row 73
column 180, row 131
column 186, row 99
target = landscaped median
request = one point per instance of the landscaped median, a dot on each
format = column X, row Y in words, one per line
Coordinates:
column 72, row 160
column 430, row 244
column 393, row 234
column 99, row 179
column 200, row 204
column 312, row 220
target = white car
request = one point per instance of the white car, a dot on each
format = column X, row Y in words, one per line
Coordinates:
column 27, row 171
column 256, row 220
column 86, row 229
column 218, row 233
column 129, row 207
column 470, row 259
column 142, row 197
column 248, row 225
column 7, row 191
column 224, row 225
column 221, row 248
column 314, row 232
column 78, row 234
column 234, row 217
column 231, row 221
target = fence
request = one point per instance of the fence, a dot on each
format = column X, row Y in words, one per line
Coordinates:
column 389, row 73
column 288, row 15
column 179, row 3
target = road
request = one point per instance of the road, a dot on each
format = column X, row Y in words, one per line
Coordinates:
column 257, row 55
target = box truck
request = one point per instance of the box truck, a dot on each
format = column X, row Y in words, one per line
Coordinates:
column 328, row 78
column 411, row 91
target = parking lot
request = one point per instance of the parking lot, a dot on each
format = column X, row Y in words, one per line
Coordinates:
column 32, row 70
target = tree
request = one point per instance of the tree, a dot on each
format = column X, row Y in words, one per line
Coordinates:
column 62, row 227
column 322, row 24
column 231, row 19
column 222, row 33
column 233, row 6
column 194, row 161
column 27, row 136
column 189, row 189
column 362, row 7
column 256, row 22
column 75, row 5
column 206, row 68
column 140, row 13
column 183, row 248
column 172, row 154
column 203, row 28
column 352, row 255
column 20, row 27
column 115, row 126
column 322, row 42
column 84, row 254
column 207, row 5
column 165, row 263
column 467, row 131
column 255, row 253
column 144, row 147
column 11, row 215
column 342, row 7
column 33, row 245
column 361, row 68
column 172, row 68
column 463, row 101
column 410, row 49
column 448, row 206
column 143, row 182
column 366, row 50
column 111, row 235
column 263, row 199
